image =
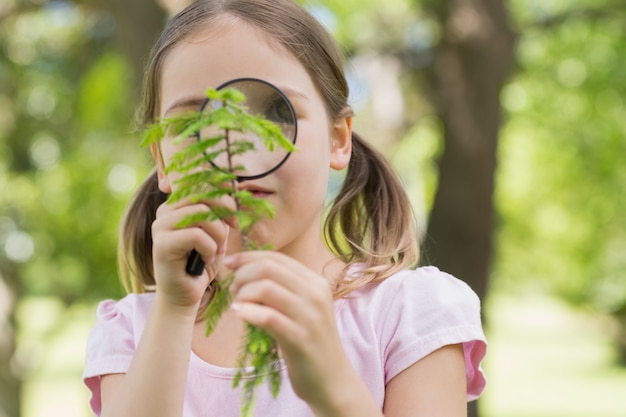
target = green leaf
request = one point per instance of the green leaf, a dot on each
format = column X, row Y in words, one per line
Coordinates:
column 245, row 221
column 228, row 94
column 197, row 192
column 196, row 218
column 262, row 352
column 260, row 207
column 220, row 302
column 153, row 134
column 212, row 177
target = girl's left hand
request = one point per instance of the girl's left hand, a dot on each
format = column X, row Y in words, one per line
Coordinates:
column 295, row 306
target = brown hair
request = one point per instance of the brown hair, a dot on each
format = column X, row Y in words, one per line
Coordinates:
column 370, row 222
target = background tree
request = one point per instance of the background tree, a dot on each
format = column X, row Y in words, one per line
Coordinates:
column 473, row 60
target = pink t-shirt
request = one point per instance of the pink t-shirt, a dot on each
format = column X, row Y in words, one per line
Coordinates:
column 385, row 328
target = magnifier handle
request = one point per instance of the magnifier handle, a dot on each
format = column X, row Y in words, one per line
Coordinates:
column 195, row 264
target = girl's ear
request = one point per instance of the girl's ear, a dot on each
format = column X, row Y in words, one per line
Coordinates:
column 164, row 182
column 341, row 141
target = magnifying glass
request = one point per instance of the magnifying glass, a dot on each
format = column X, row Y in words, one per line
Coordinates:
column 262, row 99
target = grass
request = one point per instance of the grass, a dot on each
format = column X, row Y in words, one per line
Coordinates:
column 544, row 360
column 52, row 351
column 547, row 360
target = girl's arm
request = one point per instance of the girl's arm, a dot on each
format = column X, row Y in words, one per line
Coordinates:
column 434, row 386
column 155, row 382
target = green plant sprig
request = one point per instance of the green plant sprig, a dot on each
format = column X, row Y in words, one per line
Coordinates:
column 202, row 181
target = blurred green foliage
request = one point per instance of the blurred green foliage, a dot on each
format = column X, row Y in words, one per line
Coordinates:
column 563, row 155
column 69, row 160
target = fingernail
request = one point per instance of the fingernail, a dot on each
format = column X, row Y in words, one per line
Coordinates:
column 235, row 306
column 229, row 260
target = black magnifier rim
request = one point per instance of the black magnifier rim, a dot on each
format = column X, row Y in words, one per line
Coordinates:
column 241, row 178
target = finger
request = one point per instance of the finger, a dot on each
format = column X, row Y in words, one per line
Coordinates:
column 279, row 326
column 270, row 294
column 225, row 202
column 176, row 244
column 175, row 215
column 301, row 295
column 254, row 265
column 216, row 229
column 266, row 292
column 207, row 237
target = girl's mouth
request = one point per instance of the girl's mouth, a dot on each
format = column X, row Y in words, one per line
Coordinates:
column 260, row 194
column 256, row 191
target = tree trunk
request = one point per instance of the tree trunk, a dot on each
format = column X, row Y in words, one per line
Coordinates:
column 138, row 23
column 10, row 381
column 620, row 342
column 473, row 60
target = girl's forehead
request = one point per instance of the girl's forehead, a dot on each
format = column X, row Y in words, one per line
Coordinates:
column 229, row 39
column 225, row 23
column 224, row 50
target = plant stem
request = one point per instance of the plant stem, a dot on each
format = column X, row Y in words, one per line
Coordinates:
column 233, row 187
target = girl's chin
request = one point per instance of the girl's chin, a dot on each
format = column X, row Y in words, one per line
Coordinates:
column 258, row 236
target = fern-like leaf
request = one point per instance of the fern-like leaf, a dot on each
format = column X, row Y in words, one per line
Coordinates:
column 262, row 352
column 219, row 304
column 201, row 181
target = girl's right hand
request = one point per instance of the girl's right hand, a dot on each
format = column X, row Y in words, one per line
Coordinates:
column 172, row 245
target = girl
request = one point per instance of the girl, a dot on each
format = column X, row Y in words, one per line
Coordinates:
column 359, row 333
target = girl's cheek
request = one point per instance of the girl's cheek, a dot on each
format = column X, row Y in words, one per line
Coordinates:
column 169, row 148
column 167, row 151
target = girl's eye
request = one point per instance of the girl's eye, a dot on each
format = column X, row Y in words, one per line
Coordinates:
column 279, row 111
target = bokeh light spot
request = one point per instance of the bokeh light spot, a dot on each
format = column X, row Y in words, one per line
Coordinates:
column 19, row 246
column 513, row 97
column 41, row 102
column 45, row 152
column 122, row 178
column 572, row 72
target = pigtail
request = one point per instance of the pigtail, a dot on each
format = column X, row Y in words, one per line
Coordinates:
column 135, row 243
column 371, row 221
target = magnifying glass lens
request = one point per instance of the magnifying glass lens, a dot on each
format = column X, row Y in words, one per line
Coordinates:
column 252, row 158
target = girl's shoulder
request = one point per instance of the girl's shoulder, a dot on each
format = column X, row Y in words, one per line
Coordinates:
column 413, row 313
column 132, row 306
column 419, row 302
column 426, row 286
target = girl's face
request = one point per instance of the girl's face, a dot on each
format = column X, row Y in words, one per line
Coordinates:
column 230, row 49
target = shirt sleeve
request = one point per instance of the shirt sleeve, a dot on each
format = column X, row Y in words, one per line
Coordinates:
column 110, row 347
column 429, row 310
